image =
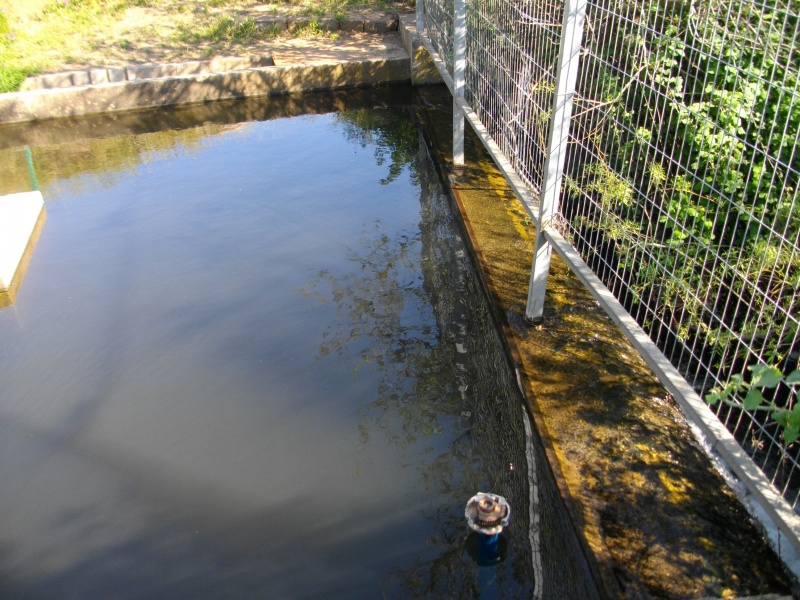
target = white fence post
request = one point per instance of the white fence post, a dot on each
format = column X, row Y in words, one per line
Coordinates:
column 459, row 67
column 568, row 54
column 420, row 17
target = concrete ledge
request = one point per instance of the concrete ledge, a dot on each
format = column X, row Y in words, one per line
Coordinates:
column 19, row 214
column 205, row 87
column 95, row 76
column 217, row 65
column 385, row 25
column 423, row 69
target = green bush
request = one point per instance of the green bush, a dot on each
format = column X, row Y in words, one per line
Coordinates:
column 12, row 77
column 691, row 167
column 748, row 395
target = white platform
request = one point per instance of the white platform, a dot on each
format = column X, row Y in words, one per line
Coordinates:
column 19, row 214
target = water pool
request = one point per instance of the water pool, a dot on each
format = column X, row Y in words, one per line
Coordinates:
column 253, row 359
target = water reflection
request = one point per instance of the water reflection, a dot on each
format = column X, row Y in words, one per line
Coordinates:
column 64, row 149
column 392, row 135
column 226, row 376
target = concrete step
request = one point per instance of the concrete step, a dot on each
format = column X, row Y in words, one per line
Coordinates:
column 373, row 24
column 20, row 218
column 96, row 76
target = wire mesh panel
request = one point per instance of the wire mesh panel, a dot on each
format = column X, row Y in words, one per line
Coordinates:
column 439, row 28
column 512, row 50
column 681, row 179
column 681, row 189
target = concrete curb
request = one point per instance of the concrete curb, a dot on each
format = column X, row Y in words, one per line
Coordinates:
column 205, row 87
column 423, row 69
column 96, row 76
column 383, row 24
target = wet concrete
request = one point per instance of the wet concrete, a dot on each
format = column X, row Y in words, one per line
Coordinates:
column 647, row 502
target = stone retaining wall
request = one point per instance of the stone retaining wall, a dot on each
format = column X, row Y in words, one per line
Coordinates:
column 95, row 76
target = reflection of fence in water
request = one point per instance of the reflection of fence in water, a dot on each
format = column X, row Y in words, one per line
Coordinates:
column 681, row 176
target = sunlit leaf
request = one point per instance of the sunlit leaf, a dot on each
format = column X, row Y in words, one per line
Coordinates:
column 766, row 376
column 781, row 417
column 753, row 399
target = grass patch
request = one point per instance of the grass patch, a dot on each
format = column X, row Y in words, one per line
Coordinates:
column 32, row 45
column 220, row 3
column 337, row 8
column 312, row 29
column 12, row 77
column 223, row 29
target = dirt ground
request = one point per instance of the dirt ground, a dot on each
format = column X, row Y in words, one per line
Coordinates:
column 178, row 30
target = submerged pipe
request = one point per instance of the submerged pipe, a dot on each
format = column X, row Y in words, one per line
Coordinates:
column 31, row 170
column 486, row 515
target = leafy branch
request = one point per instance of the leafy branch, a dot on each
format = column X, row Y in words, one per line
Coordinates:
column 747, row 395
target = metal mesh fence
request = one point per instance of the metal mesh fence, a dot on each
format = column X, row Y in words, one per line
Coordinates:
column 512, row 50
column 439, row 26
column 681, row 189
column 681, row 176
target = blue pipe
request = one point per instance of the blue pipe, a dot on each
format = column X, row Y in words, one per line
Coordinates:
column 488, row 549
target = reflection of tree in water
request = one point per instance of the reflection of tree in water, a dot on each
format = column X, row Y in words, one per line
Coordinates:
column 387, row 324
column 390, row 131
column 409, row 308
column 104, row 160
column 412, row 310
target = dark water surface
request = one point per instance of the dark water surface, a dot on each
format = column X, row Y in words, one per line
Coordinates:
column 254, row 360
